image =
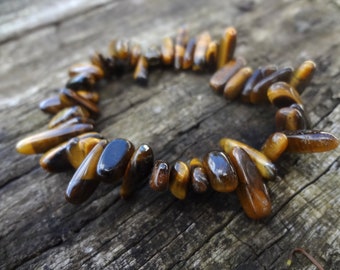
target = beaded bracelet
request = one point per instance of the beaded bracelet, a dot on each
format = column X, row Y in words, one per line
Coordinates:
column 70, row 143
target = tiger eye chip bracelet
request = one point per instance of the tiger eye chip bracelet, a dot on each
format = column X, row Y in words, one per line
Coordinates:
column 70, row 142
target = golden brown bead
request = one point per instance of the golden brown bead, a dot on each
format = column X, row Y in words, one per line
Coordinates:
column 310, row 141
column 141, row 72
column 167, row 51
column 303, row 75
column 180, row 44
column 211, row 55
column 105, row 64
column 221, row 173
column 201, row 48
column 251, row 190
column 236, row 83
column 264, row 165
column 189, row 54
column 89, row 95
column 86, row 68
column 281, row 94
column 159, row 180
column 223, row 75
column 275, row 145
column 198, row 176
column 85, row 180
column 290, row 118
column 135, row 53
column 119, row 49
column 179, row 180
column 76, row 120
column 227, row 47
column 66, row 114
column 45, row 140
column 51, row 105
column 153, row 56
column 81, row 81
column 138, row 168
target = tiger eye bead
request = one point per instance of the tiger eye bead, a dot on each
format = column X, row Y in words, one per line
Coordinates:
column 198, row 176
column 223, row 75
column 105, row 64
column 189, row 54
column 303, row 75
column 251, row 190
column 180, row 44
column 167, row 51
column 264, row 165
column 138, row 168
column 235, row 85
column 135, row 53
column 211, row 55
column 310, row 141
column 66, row 114
column 45, row 140
column 114, row 160
column 85, row 180
column 121, row 50
column 201, row 48
column 274, row 146
column 76, row 120
column 86, row 68
column 179, row 180
column 141, row 72
column 220, row 171
column 291, row 118
column 51, row 105
column 159, row 179
column 227, row 46
column 89, row 95
column 281, row 94
column 153, row 56
column 82, row 81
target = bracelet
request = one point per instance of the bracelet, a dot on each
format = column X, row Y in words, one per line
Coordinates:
column 70, row 141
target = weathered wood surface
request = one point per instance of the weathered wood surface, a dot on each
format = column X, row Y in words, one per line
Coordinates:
column 180, row 117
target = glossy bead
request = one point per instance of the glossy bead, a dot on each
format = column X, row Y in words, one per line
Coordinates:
column 86, row 68
column 221, row 173
column 121, row 50
column 251, row 190
column 66, row 114
column 290, row 118
column 227, row 46
column 153, row 56
column 114, row 160
column 264, row 165
column 189, row 54
column 135, row 53
column 82, row 81
column 179, row 180
column 138, row 168
column 76, row 120
column 281, row 94
column 45, row 140
column 167, row 51
column 303, row 75
column 51, row 105
column 89, row 95
column 211, row 55
column 159, row 180
column 85, row 180
column 180, row 44
column 141, row 72
column 259, row 93
column 223, row 75
column 236, row 83
column 310, row 141
column 198, row 176
column 106, row 64
column 201, row 48
column 275, row 145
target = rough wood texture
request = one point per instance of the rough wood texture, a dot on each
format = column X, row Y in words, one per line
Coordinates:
column 180, row 117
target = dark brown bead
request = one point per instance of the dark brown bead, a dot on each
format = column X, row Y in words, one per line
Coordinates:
column 227, row 47
column 236, row 83
column 159, row 180
column 167, row 51
column 138, row 168
column 106, row 64
column 114, row 160
column 51, row 105
column 221, row 173
column 198, row 176
column 153, row 56
column 82, row 81
column 179, row 180
column 189, row 54
column 251, row 190
column 211, row 55
column 135, row 53
column 201, row 48
column 180, row 44
column 141, row 72
column 86, row 68
column 281, row 94
column 303, row 75
column 66, row 114
column 85, row 180
column 275, row 145
column 290, row 118
column 310, row 141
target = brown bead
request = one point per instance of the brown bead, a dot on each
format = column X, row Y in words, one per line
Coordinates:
column 189, row 54
column 141, row 72
column 310, row 141
column 211, row 55
column 114, row 160
column 66, row 114
column 201, row 48
column 180, row 44
column 138, row 168
column 85, row 180
column 303, row 75
column 135, row 53
column 227, row 47
column 167, row 51
column 259, row 93
column 264, row 165
column 86, row 68
column 119, row 49
column 281, row 94
column 51, row 105
column 251, row 190
column 77, row 120
column 274, row 146
column 153, row 56
column 159, row 180
column 179, row 180
column 291, row 118
column 89, row 95
column 105, row 64
column 81, row 81
column 45, row 140
column 198, row 176
column 235, row 85
column 223, row 75
column 221, row 173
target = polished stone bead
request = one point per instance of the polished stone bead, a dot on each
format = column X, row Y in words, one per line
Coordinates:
column 264, row 165
column 167, row 51
column 180, row 44
column 179, row 180
column 211, row 55
column 85, row 180
column 82, row 81
column 227, row 47
column 76, row 120
column 303, row 75
column 45, row 140
column 275, row 145
column 153, row 56
column 251, row 190
column 107, row 64
column 201, row 48
column 236, row 83
column 89, row 95
column 221, row 173
column 198, row 176
column 159, row 180
column 135, row 53
column 291, row 118
column 141, row 72
column 281, row 94
column 86, row 68
column 189, row 54
column 138, row 168
column 66, row 114
column 310, row 141
column 114, row 160
column 51, row 105
column 120, row 49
